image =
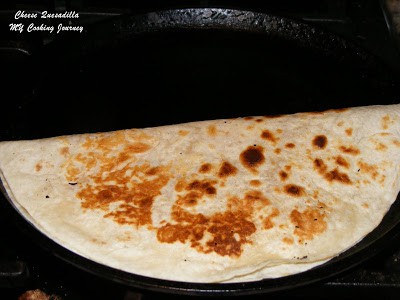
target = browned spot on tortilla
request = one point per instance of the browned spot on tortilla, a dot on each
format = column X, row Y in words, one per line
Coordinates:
column 269, row 136
column 64, row 151
column 288, row 168
column 259, row 120
column 336, row 175
column 380, row 147
column 223, row 233
column 283, row 175
column 105, row 142
column 134, row 198
column 248, row 118
column 90, row 159
column 255, row 182
column 205, row 168
column 38, row 167
column 315, row 195
column 294, row 190
column 183, row 132
column 365, row 205
column 152, row 171
column 349, row 150
column 254, row 196
column 396, row 143
column 349, row 131
column 212, row 130
column 308, row 223
column 204, row 186
column 180, row 185
column 340, row 124
column 320, row 166
column 226, row 169
column 290, row 145
column 250, row 127
column 72, row 173
column 277, row 150
column 268, row 224
column 370, row 169
column 137, row 147
column 333, row 175
column 97, row 241
column 320, row 141
column 385, row 122
column 341, row 161
column 252, row 157
column 288, row 241
column 112, row 180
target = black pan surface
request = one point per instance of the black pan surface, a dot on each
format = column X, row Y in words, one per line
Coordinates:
column 194, row 64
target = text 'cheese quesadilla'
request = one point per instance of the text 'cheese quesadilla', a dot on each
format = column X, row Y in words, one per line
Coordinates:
column 212, row 201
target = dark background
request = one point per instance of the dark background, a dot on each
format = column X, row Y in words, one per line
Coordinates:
column 60, row 84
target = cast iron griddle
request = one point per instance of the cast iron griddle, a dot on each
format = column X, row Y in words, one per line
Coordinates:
column 194, row 64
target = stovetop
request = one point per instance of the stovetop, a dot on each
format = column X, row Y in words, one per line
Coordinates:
column 24, row 265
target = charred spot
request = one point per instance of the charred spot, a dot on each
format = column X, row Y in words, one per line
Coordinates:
column 320, row 165
column 336, row 175
column 294, row 190
column 153, row 171
column 290, row 145
column 283, row 175
column 349, row 150
column 333, row 175
column 226, row 170
column 252, row 157
column 320, row 141
column 259, row 120
column 203, row 186
column 268, row 135
column 341, row 161
column 205, row 168
column 277, row 150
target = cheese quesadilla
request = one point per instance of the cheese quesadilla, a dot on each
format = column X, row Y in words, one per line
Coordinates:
column 228, row 200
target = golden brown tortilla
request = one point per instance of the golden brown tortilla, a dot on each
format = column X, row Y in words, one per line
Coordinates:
column 212, row 201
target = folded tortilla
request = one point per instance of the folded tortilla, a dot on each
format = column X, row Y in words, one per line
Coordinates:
column 213, row 201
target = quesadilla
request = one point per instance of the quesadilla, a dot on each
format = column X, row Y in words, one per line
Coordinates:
column 227, row 200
